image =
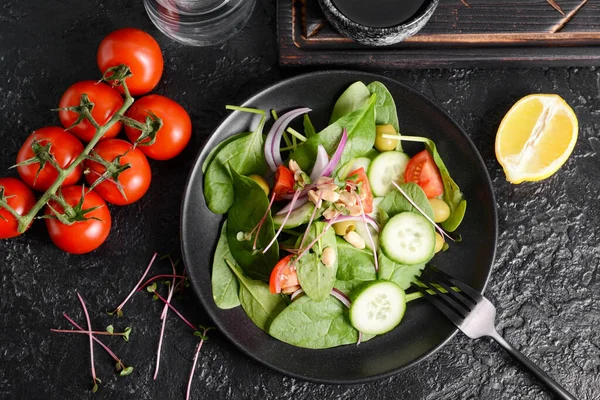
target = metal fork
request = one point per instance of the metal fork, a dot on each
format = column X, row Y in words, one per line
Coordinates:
column 474, row 315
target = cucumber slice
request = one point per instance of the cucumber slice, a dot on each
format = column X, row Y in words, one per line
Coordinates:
column 353, row 165
column 299, row 216
column 386, row 168
column 408, row 238
column 377, row 307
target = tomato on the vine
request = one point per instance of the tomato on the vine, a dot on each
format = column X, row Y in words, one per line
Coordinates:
column 133, row 181
column 139, row 51
column 44, row 143
column 92, row 220
column 172, row 137
column 18, row 196
column 421, row 169
column 107, row 102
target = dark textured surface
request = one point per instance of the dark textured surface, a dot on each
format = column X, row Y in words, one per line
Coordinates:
column 545, row 280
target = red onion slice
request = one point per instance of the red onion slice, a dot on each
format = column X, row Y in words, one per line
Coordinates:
column 369, row 220
column 273, row 140
column 300, row 201
column 296, row 294
column 341, row 296
column 320, row 163
column 337, row 156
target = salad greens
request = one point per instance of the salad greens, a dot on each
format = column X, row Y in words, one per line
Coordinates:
column 335, row 236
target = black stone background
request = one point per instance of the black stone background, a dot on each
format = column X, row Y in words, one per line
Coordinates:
column 544, row 283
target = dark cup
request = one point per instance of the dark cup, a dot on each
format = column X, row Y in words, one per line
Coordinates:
column 375, row 36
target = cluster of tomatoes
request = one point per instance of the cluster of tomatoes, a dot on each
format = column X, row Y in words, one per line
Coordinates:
column 77, row 218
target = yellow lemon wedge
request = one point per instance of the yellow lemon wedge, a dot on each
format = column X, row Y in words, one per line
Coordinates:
column 536, row 137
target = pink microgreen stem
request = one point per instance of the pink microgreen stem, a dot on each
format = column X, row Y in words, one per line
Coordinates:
column 87, row 332
column 189, row 386
column 175, row 311
column 142, row 287
column 120, row 307
column 312, row 217
column 105, row 347
column 89, row 324
column 171, row 291
column 258, row 226
column 287, row 216
column 364, row 219
column 331, row 222
column 163, row 316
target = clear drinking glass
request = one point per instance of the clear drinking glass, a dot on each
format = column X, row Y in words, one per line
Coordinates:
column 199, row 22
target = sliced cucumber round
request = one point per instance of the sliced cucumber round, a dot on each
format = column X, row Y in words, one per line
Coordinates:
column 386, row 168
column 408, row 238
column 353, row 165
column 298, row 217
column 377, row 307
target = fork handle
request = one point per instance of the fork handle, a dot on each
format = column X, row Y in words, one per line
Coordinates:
column 559, row 391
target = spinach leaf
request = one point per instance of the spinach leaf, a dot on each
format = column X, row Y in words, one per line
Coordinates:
column 225, row 286
column 316, row 278
column 247, row 210
column 353, row 98
column 402, row 275
column 245, row 154
column 394, row 202
column 215, row 150
column 385, row 107
column 314, row 325
column 309, row 128
column 261, row 306
column 355, row 267
column 360, row 126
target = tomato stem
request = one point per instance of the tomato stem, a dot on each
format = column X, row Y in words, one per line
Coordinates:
column 63, row 173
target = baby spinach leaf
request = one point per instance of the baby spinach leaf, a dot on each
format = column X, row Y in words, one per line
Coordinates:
column 246, row 212
column 245, row 155
column 402, row 275
column 360, row 127
column 385, row 107
column 309, row 128
column 316, row 278
column 215, row 150
column 394, row 202
column 355, row 267
column 353, row 98
column 314, row 325
column 261, row 306
column 225, row 286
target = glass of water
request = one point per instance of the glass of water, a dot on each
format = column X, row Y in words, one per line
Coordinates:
column 199, row 22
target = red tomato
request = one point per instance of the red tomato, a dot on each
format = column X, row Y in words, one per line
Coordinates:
column 175, row 133
column 283, row 276
column 284, row 182
column 63, row 146
column 81, row 236
column 106, row 102
column 20, row 198
column 134, row 181
column 421, row 169
column 139, row 51
column 359, row 176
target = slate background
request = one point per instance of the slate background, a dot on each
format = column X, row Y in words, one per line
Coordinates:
column 544, row 283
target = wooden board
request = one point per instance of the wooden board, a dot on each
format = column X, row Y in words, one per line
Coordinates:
column 488, row 33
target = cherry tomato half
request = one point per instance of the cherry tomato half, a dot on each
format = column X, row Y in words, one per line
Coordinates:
column 283, row 276
column 63, row 146
column 421, row 169
column 134, row 181
column 284, row 182
column 106, row 103
column 172, row 137
column 81, row 236
column 359, row 176
column 20, row 198
column 139, row 51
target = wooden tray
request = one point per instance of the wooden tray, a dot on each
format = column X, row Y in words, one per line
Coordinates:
column 488, row 33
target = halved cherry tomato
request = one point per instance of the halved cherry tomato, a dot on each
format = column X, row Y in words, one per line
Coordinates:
column 421, row 169
column 359, row 176
column 284, row 182
column 81, row 236
column 106, row 103
column 283, row 276
column 63, row 146
column 134, row 181
column 139, row 51
column 20, row 198
column 172, row 137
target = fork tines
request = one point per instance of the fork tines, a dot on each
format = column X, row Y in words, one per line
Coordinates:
column 453, row 297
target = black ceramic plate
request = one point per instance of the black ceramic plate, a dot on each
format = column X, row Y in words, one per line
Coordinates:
column 423, row 329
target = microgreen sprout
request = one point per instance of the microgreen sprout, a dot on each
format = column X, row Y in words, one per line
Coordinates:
column 119, row 309
column 109, row 332
column 203, row 337
column 89, row 325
